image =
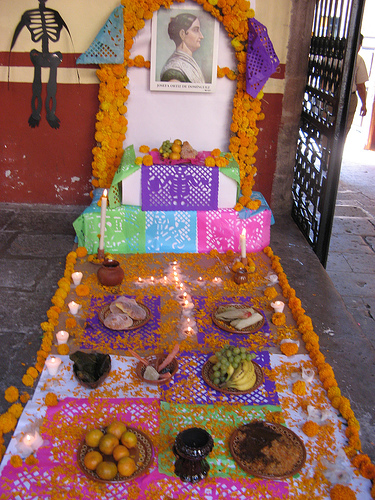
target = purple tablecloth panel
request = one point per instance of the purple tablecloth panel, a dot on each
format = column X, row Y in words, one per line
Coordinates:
column 95, row 331
column 58, row 463
column 189, row 387
column 261, row 337
column 179, row 187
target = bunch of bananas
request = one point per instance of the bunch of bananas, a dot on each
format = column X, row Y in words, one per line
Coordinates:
column 242, row 378
column 232, row 367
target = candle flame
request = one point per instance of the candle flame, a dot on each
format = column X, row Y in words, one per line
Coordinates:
column 243, row 232
column 105, row 193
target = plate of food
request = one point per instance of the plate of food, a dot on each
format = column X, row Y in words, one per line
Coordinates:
column 124, row 314
column 122, row 457
column 267, row 450
column 246, row 378
column 238, row 318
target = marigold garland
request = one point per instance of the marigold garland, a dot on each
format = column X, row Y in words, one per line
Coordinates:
column 342, row 492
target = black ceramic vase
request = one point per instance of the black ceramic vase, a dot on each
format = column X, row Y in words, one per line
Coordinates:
column 191, row 448
column 110, row 273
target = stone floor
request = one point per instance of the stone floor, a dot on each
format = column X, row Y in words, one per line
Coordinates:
column 34, row 241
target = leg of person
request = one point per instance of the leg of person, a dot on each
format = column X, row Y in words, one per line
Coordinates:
column 36, row 100
column 352, row 107
column 55, row 60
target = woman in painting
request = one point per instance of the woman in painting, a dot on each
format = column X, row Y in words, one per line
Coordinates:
column 184, row 30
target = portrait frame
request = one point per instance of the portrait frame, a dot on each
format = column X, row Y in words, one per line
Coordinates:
column 162, row 47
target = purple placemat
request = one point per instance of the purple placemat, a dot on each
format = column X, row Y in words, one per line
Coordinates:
column 97, row 335
column 189, row 387
column 209, row 333
column 180, row 187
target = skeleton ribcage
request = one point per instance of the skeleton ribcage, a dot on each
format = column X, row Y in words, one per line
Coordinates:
column 35, row 26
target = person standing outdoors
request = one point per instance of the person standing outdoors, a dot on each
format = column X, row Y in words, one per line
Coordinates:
column 359, row 80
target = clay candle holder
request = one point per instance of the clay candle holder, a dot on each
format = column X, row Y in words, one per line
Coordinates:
column 191, row 448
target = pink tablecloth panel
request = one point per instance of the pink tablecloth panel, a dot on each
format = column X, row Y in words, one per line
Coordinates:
column 221, row 229
column 57, row 475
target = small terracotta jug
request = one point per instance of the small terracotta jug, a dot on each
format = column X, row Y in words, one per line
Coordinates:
column 110, row 273
column 240, row 276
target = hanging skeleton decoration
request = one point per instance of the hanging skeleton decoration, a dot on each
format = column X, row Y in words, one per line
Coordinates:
column 45, row 25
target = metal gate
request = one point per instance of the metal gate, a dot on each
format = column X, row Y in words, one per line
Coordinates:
column 321, row 138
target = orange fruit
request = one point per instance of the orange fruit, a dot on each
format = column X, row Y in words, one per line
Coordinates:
column 178, row 142
column 129, row 439
column 126, row 466
column 116, row 428
column 108, row 443
column 93, row 437
column 92, row 459
column 174, row 156
column 119, row 452
column 106, row 470
column 176, row 148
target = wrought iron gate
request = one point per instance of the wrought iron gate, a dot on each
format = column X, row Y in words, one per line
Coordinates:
column 321, row 138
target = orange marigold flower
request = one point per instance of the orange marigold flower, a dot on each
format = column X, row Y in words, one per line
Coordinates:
column 289, row 348
column 209, row 161
column 238, row 207
column 70, row 323
column 32, row 371
column 279, row 319
column 31, row 460
column 11, row 394
column 63, row 349
column 368, row 471
column 148, row 161
column 215, row 152
column 81, row 252
column 310, row 428
column 299, row 388
column 16, row 410
column 237, row 265
column 342, row 492
column 25, row 396
column 8, row 422
column 144, row 149
column 28, row 380
column 16, row 461
column 82, row 290
column 244, row 200
column 270, row 293
column 51, row 399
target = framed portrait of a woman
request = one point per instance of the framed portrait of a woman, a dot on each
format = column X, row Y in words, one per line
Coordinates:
column 184, row 49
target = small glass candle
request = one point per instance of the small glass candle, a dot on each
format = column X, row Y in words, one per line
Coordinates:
column 31, row 441
column 73, row 307
column 273, row 278
column 62, row 337
column 77, row 277
column 278, row 306
column 52, row 364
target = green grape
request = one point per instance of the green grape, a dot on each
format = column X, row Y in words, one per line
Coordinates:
column 243, row 350
column 249, row 357
column 236, row 350
column 223, row 370
column 243, row 355
column 212, row 376
column 215, row 368
column 216, row 381
column 235, row 365
column 223, row 378
column 237, row 359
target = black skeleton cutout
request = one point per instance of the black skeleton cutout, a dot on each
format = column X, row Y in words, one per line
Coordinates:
column 45, row 25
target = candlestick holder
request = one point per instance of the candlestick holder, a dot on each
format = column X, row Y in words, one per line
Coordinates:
column 244, row 261
column 101, row 254
column 191, row 448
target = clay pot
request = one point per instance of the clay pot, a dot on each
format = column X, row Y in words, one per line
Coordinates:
column 110, row 273
column 240, row 276
column 191, row 449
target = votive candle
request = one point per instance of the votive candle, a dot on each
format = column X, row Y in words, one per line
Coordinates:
column 278, row 306
column 62, row 337
column 73, row 307
column 52, row 364
column 77, row 277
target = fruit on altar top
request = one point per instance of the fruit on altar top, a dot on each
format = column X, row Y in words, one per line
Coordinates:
column 92, row 459
column 126, row 466
column 119, row 452
column 108, row 443
column 106, row 470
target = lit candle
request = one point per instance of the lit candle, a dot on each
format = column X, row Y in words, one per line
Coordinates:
column 187, row 306
column 73, row 307
column 140, row 280
column 62, row 337
column 152, row 280
column 165, row 279
column 278, row 306
column 77, row 277
column 190, row 322
column 102, row 218
column 31, row 442
column 216, row 280
column 53, row 364
column 243, row 243
column 273, row 278
column 181, row 286
column 188, row 331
